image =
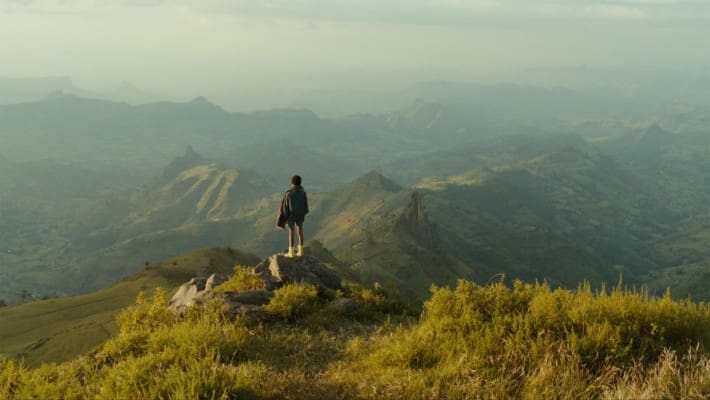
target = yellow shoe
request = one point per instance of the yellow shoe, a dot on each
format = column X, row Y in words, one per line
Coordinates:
column 299, row 253
column 290, row 252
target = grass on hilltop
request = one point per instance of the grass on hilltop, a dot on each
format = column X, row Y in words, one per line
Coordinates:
column 528, row 341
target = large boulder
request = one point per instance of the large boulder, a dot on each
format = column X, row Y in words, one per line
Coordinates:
column 278, row 270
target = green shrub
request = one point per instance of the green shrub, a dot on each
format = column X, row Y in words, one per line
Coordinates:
column 619, row 327
column 293, row 300
column 9, row 376
column 146, row 315
column 379, row 300
column 243, row 279
column 48, row 381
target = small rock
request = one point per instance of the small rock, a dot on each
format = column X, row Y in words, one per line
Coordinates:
column 214, row 280
column 185, row 296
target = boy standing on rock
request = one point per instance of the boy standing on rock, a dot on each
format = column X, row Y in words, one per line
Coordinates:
column 294, row 208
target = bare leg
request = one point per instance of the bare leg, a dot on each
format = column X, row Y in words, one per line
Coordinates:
column 290, row 237
column 300, row 235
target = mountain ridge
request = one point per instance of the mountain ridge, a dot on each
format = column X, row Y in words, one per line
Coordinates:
column 557, row 217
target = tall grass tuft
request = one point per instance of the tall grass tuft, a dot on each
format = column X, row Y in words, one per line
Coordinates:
column 243, row 279
column 293, row 300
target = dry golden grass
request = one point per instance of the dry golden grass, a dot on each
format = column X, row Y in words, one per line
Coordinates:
column 528, row 342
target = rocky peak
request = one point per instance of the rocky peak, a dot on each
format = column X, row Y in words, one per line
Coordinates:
column 188, row 160
column 375, row 180
column 415, row 217
column 413, row 221
column 204, row 105
column 190, row 153
column 655, row 134
column 201, row 100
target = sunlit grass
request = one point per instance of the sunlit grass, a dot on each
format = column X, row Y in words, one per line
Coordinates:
column 528, row 341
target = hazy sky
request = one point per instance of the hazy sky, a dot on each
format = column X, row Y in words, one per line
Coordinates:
column 216, row 46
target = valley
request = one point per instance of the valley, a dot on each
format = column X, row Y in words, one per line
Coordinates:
column 547, row 199
column 405, row 206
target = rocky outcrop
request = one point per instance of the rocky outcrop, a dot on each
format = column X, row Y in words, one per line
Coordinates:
column 200, row 290
column 189, row 160
column 275, row 272
column 193, row 292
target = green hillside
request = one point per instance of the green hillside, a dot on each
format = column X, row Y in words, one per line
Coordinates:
column 471, row 341
column 41, row 203
column 532, row 207
column 562, row 216
column 193, row 205
column 59, row 329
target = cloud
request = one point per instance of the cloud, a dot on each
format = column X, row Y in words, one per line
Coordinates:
column 225, row 46
column 440, row 12
column 615, row 11
column 72, row 6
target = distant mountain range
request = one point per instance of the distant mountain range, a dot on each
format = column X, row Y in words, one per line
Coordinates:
column 493, row 195
column 145, row 137
column 564, row 216
column 142, row 138
column 21, row 90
